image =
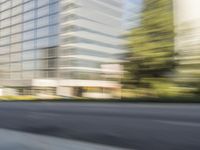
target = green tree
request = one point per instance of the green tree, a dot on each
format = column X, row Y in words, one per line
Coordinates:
column 151, row 45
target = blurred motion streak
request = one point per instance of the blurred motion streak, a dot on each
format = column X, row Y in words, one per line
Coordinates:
column 164, row 53
column 187, row 20
column 48, row 44
column 99, row 48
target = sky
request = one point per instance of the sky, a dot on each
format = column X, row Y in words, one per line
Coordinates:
column 132, row 9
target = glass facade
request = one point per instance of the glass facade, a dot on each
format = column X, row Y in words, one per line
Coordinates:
column 29, row 32
column 90, row 37
column 58, row 38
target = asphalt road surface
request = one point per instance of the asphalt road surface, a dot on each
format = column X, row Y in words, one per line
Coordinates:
column 133, row 126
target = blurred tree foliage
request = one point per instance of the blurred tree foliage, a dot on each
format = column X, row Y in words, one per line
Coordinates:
column 151, row 46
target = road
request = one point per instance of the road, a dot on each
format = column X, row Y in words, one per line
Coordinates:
column 125, row 125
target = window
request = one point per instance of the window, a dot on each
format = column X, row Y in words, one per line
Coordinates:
column 28, row 35
column 15, row 75
column 29, row 6
column 29, row 16
column 3, row 59
column 5, row 23
column 43, row 21
column 28, row 65
column 5, row 14
column 54, row 41
column 52, row 63
column 16, row 28
column 54, row 8
column 5, row 31
column 41, row 53
column 27, row 55
column 28, row 45
column 16, row 19
column 43, row 11
column 54, row 30
column 52, row 74
column 41, row 64
column 6, row 5
column 16, row 10
column 15, row 57
column 28, row 75
column 15, row 66
column 16, row 47
column 54, row 19
column 5, row 41
column 43, row 43
column 16, row 38
column 4, row 49
column 43, row 32
column 52, row 51
column 41, row 74
column 16, row 2
column 41, row 3
column 28, row 25
column 4, row 67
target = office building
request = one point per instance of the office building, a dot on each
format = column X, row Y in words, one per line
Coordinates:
column 63, row 47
